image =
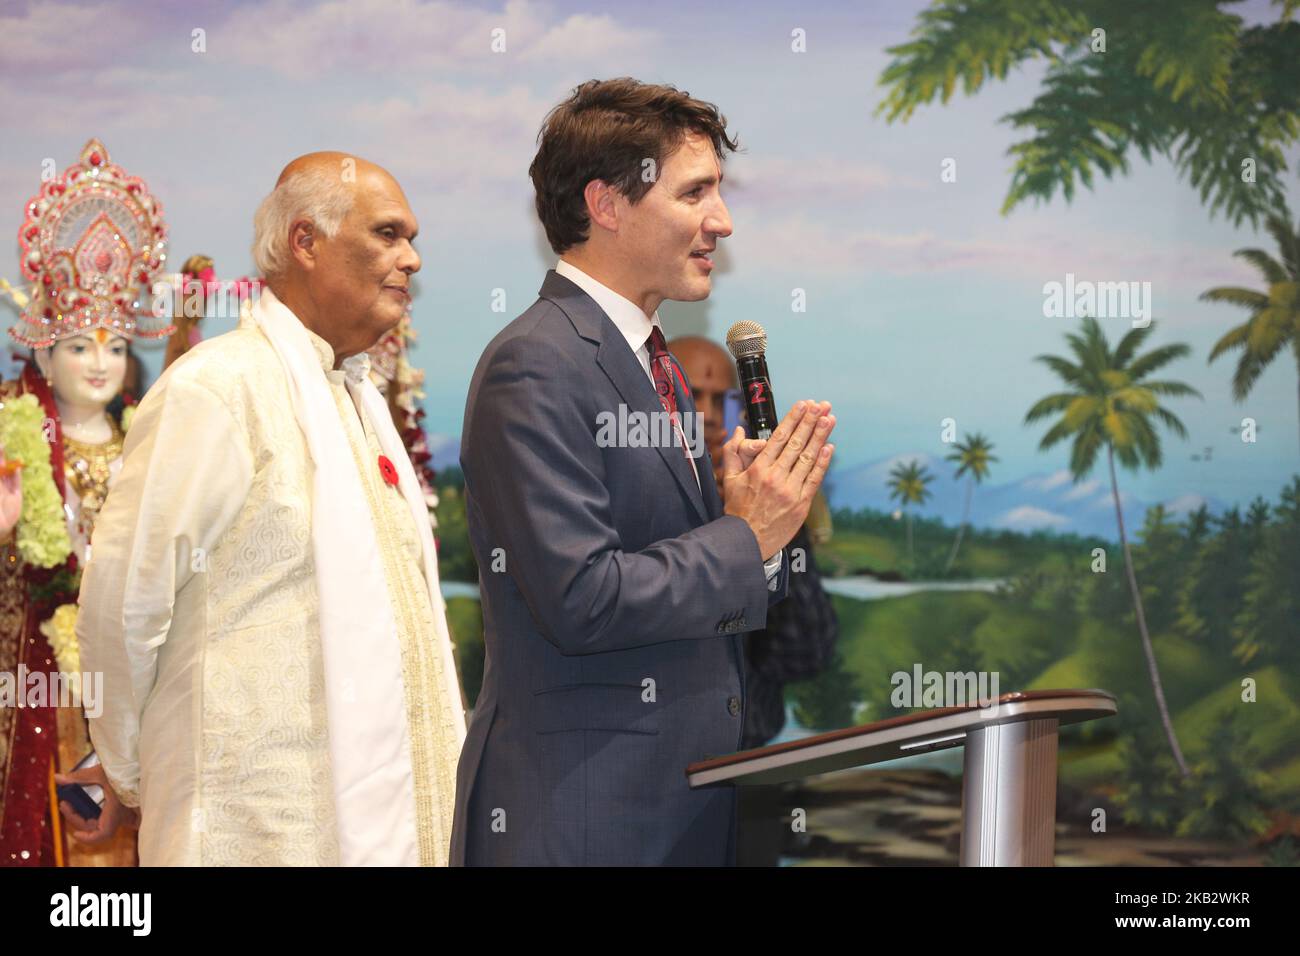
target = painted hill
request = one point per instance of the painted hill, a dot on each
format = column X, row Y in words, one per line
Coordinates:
column 1045, row 501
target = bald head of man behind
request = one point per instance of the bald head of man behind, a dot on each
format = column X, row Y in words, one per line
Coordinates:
column 334, row 242
column 712, row 372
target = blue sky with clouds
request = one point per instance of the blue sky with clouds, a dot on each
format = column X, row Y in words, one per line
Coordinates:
column 923, row 301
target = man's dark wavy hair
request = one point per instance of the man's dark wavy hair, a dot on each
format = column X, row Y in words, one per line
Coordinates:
column 606, row 130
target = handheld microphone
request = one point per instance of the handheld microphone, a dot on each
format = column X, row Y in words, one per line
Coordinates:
column 748, row 342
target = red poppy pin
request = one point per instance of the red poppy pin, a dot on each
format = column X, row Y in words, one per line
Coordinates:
column 387, row 470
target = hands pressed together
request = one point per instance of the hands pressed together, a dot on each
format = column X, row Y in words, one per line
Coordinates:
column 770, row 483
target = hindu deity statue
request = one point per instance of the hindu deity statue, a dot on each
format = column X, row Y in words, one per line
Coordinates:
column 92, row 244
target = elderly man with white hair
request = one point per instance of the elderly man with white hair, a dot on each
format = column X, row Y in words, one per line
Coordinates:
column 262, row 596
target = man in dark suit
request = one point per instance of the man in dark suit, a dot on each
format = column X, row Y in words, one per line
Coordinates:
column 615, row 586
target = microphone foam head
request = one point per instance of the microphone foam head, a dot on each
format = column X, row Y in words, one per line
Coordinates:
column 745, row 339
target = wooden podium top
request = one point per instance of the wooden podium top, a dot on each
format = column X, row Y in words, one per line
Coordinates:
column 901, row 736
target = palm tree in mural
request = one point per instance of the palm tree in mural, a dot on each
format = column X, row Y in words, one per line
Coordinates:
column 1274, row 322
column 908, row 485
column 973, row 457
column 1110, row 403
column 1195, row 83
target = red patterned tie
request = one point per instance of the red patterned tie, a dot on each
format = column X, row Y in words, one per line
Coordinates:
column 661, row 367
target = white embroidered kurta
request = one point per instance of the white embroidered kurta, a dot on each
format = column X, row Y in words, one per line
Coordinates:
column 200, row 606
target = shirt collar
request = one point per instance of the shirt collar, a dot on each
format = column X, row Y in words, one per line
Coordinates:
column 324, row 351
column 626, row 315
column 354, row 368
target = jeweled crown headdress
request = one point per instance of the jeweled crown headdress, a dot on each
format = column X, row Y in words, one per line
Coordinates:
column 92, row 242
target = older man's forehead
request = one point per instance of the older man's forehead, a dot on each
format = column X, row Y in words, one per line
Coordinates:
column 381, row 184
column 382, row 196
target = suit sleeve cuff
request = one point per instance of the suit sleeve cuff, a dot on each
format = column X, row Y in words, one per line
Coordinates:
column 772, row 569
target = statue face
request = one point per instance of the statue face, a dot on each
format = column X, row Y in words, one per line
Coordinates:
column 88, row 369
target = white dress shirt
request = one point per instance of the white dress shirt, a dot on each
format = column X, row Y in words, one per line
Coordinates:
column 635, row 327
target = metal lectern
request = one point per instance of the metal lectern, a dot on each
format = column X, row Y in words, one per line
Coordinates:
column 1008, row 806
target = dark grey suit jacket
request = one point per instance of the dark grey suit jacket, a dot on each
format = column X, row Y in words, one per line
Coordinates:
column 613, row 631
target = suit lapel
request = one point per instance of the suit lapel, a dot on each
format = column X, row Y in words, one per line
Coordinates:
column 627, row 375
column 686, row 404
column 620, row 365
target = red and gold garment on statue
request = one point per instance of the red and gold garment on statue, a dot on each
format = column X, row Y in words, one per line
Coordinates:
column 35, row 740
column 91, row 241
